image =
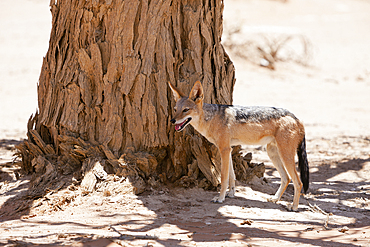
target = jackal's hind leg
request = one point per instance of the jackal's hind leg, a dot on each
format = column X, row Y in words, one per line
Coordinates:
column 296, row 182
column 287, row 157
column 273, row 153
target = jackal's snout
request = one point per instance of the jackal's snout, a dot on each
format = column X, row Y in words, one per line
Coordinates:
column 173, row 121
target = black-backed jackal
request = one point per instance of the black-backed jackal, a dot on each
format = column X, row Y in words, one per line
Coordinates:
column 227, row 126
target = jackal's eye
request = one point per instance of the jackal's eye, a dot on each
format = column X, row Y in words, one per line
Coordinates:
column 185, row 110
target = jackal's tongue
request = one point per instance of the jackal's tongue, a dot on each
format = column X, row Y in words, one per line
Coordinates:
column 178, row 126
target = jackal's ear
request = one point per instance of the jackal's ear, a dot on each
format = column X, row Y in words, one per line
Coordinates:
column 196, row 93
column 177, row 94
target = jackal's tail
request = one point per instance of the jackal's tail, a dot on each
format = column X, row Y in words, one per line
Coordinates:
column 303, row 164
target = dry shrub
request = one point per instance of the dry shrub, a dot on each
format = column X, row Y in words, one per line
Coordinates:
column 266, row 47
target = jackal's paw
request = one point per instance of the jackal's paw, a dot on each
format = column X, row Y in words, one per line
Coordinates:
column 273, row 199
column 217, row 199
column 291, row 208
column 230, row 194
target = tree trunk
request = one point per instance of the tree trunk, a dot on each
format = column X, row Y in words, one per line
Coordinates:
column 103, row 90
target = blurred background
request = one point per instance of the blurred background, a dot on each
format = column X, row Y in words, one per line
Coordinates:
column 24, row 37
column 311, row 57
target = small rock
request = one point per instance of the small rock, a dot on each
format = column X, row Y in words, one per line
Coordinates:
column 343, row 229
column 246, row 222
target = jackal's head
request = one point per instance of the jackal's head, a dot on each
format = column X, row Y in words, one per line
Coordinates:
column 187, row 109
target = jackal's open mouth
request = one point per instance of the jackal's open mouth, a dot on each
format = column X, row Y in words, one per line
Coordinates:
column 181, row 126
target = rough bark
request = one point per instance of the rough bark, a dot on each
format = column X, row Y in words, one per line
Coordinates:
column 103, row 92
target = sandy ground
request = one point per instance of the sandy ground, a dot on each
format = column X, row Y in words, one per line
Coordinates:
column 330, row 95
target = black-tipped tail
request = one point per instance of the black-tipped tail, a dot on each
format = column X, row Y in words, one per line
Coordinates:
column 303, row 164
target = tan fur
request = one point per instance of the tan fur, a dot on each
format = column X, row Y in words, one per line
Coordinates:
column 281, row 135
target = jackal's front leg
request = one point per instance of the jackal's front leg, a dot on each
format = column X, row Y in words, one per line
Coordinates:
column 225, row 166
column 231, row 192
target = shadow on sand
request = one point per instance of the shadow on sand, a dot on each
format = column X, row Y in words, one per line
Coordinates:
column 210, row 225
